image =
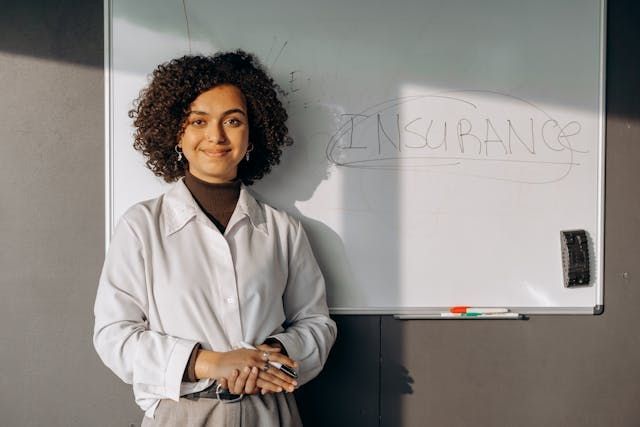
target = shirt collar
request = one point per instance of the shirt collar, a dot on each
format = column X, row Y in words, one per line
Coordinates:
column 179, row 208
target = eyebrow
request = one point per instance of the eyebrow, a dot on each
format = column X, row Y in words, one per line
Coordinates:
column 233, row 110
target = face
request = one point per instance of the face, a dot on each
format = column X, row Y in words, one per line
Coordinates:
column 216, row 134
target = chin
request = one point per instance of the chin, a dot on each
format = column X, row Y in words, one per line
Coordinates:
column 217, row 176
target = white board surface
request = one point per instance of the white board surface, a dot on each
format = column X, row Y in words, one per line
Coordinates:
column 440, row 147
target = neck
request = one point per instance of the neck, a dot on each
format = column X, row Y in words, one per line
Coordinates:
column 217, row 200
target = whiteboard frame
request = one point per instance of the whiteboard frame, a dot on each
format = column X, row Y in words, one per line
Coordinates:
column 602, row 153
column 403, row 312
column 108, row 114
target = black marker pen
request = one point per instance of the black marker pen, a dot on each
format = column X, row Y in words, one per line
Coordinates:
column 283, row 368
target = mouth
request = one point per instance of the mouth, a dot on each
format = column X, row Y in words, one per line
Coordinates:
column 216, row 153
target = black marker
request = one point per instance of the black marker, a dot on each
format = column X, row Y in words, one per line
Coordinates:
column 283, row 368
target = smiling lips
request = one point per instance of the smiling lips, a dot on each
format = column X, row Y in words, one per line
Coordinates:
column 216, row 153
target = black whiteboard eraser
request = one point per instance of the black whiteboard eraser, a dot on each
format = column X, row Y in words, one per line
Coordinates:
column 575, row 258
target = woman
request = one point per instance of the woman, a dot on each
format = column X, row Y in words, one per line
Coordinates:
column 195, row 276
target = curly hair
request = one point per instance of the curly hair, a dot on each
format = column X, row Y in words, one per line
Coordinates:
column 161, row 109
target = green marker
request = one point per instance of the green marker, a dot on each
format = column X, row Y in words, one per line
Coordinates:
column 460, row 314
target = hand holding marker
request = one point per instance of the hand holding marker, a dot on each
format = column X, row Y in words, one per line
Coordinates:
column 283, row 368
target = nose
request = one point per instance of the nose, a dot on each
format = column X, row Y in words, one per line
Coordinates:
column 215, row 134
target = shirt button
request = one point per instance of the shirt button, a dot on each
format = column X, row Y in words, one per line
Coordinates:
column 230, row 300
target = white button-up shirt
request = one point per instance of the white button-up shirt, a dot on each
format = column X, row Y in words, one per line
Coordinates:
column 171, row 279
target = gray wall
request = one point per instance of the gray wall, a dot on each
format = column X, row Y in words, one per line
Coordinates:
column 52, row 218
column 552, row 371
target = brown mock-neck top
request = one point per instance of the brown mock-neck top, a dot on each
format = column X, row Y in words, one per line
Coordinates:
column 217, row 201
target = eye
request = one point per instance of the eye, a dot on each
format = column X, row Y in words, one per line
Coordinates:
column 198, row 122
column 233, row 122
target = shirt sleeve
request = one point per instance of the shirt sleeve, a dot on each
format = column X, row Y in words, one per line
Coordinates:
column 309, row 332
column 152, row 362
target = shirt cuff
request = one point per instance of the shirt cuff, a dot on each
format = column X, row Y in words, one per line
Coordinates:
column 189, row 374
column 290, row 345
column 271, row 341
column 177, row 362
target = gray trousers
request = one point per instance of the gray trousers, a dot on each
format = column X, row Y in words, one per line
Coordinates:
column 270, row 410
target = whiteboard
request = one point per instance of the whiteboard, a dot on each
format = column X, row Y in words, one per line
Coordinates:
column 440, row 147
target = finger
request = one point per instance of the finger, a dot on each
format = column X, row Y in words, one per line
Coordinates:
column 264, row 354
column 223, row 383
column 238, row 387
column 275, row 356
column 266, row 347
column 282, row 376
column 231, row 379
column 267, row 387
column 250, row 385
column 268, row 376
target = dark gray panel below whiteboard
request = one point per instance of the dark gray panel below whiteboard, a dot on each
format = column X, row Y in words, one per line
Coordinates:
column 346, row 392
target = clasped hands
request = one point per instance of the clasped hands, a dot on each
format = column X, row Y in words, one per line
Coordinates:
column 247, row 371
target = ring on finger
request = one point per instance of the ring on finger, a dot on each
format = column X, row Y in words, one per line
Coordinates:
column 265, row 367
column 265, row 356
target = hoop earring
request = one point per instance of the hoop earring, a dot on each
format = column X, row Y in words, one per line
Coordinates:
column 178, row 150
column 249, row 150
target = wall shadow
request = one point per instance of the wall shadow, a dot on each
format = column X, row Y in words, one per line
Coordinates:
column 69, row 31
column 346, row 393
